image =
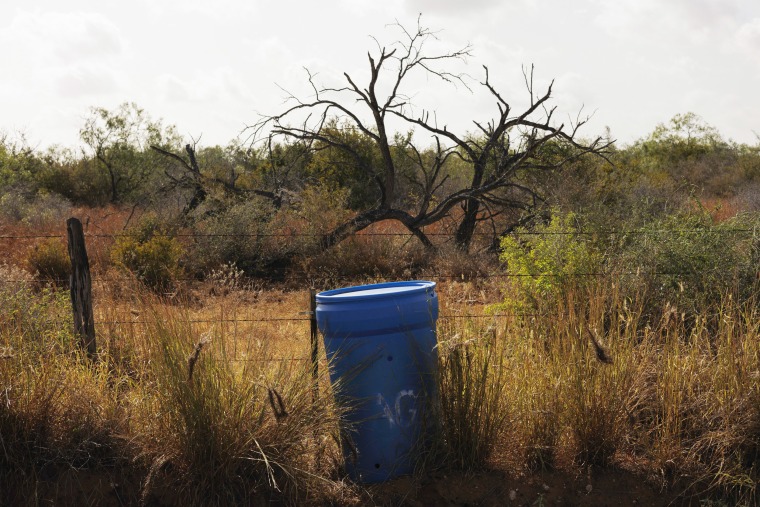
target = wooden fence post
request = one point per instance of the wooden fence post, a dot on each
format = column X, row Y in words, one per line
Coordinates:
column 81, row 287
column 314, row 343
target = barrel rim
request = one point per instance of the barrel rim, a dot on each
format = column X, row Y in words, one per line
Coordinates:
column 338, row 295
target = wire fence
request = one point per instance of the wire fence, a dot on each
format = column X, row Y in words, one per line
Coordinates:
column 303, row 277
column 316, row 278
column 464, row 316
column 311, row 278
column 294, row 235
column 293, row 275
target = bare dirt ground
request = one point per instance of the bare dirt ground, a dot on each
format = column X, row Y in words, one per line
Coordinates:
column 605, row 488
column 608, row 488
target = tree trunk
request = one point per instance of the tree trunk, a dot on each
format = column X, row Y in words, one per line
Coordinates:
column 199, row 193
column 466, row 228
column 114, row 190
column 367, row 218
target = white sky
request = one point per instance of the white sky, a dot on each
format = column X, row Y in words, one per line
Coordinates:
column 211, row 67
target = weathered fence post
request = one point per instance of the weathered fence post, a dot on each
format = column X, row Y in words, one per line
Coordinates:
column 81, row 287
column 314, row 343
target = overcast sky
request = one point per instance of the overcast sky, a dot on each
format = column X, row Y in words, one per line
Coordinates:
column 211, row 68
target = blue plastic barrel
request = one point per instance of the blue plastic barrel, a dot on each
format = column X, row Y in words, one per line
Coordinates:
column 380, row 342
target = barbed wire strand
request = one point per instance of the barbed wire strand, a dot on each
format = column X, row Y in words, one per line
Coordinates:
column 302, row 319
column 404, row 234
column 302, row 277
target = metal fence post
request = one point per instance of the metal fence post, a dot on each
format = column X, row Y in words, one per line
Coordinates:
column 314, row 343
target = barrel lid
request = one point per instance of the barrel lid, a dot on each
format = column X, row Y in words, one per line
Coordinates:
column 375, row 291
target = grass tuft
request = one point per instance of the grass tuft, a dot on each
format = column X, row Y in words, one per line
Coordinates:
column 472, row 386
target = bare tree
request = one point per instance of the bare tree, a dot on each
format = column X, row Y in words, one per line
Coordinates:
column 507, row 147
column 191, row 176
column 184, row 172
column 502, row 149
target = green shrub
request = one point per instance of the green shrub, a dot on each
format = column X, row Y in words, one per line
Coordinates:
column 50, row 261
column 543, row 263
column 688, row 263
column 19, row 204
column 233, row 233
column 682, row 263
column 41, row 319
column 317, row 211
column 150, row 254
column 262, row 240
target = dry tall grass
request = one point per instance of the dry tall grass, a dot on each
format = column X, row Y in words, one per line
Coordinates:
column 165, row 403
column 230, row 431
column 678, row 403
column 220, row 412
column 588, row 386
